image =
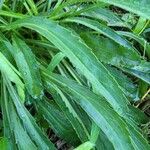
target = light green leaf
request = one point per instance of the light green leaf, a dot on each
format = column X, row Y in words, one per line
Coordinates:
column 87, row 145
column 9, row 70
column 11, row 14
column 4, row 143
column 55, row 61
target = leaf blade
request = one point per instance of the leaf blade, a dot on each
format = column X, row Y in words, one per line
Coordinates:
column 138, row 7
column 75, row 49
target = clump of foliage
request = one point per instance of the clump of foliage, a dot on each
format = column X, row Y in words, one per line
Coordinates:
column 74, row 74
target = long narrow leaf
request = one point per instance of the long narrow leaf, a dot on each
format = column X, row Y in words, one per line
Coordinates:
column 139, row 7
column 75, row 49
column 28, row 67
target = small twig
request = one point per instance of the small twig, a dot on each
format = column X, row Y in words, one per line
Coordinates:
column 143, row 98
column 145, row 94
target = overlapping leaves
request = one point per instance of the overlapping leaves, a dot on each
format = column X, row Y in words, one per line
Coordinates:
column 88, row 100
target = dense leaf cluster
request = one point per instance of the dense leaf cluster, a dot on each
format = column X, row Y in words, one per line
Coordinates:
column 75, row 69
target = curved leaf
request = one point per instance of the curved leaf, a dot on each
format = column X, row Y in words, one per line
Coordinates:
column 28, row 122
column 106, row 15
column 102, row 114
column 98, row 109
column 140, row 7
column 75, row 49
column 95, row 25
column 10, row 71
column 110, row 52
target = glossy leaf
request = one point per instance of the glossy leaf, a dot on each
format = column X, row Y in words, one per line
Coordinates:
column 10, row 71
column 87, row 145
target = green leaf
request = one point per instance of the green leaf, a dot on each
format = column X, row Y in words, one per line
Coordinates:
column 106, row 15
column 109, row 52
column 33, row 6
column 28, row 67
column 9, row 70
column 103, row 143
column 98, row 109
column 103, row 29
column 87, row 145
column 69, row 111
column 140, row 26
column 117, row 131
column 1, row 3
column 137, row 115
column 99, row 51
column 126, row 84
column 75, row 49
column 144, row 76
column 28, row 122
column 14, row 131
column 22, row 139
column 4, row 143
column 138, row 7
column 11, row 14
column 139, row 39
column 94, row 133
column 60, row 124
column 8, row 134
column 138, row 140
column 55, row 61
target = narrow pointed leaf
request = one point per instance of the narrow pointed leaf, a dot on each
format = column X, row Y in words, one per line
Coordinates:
column 29, row 123
column 75, row 49
column 109, row 52
column 9, row 70
column 69, row 111
column 106, row 15
column 22, row 139
column 55, row 61
column 59, row 124
column 103, row 29
column 87, row 145
column 28, row 67
column 98, row 109
column 139, row 7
